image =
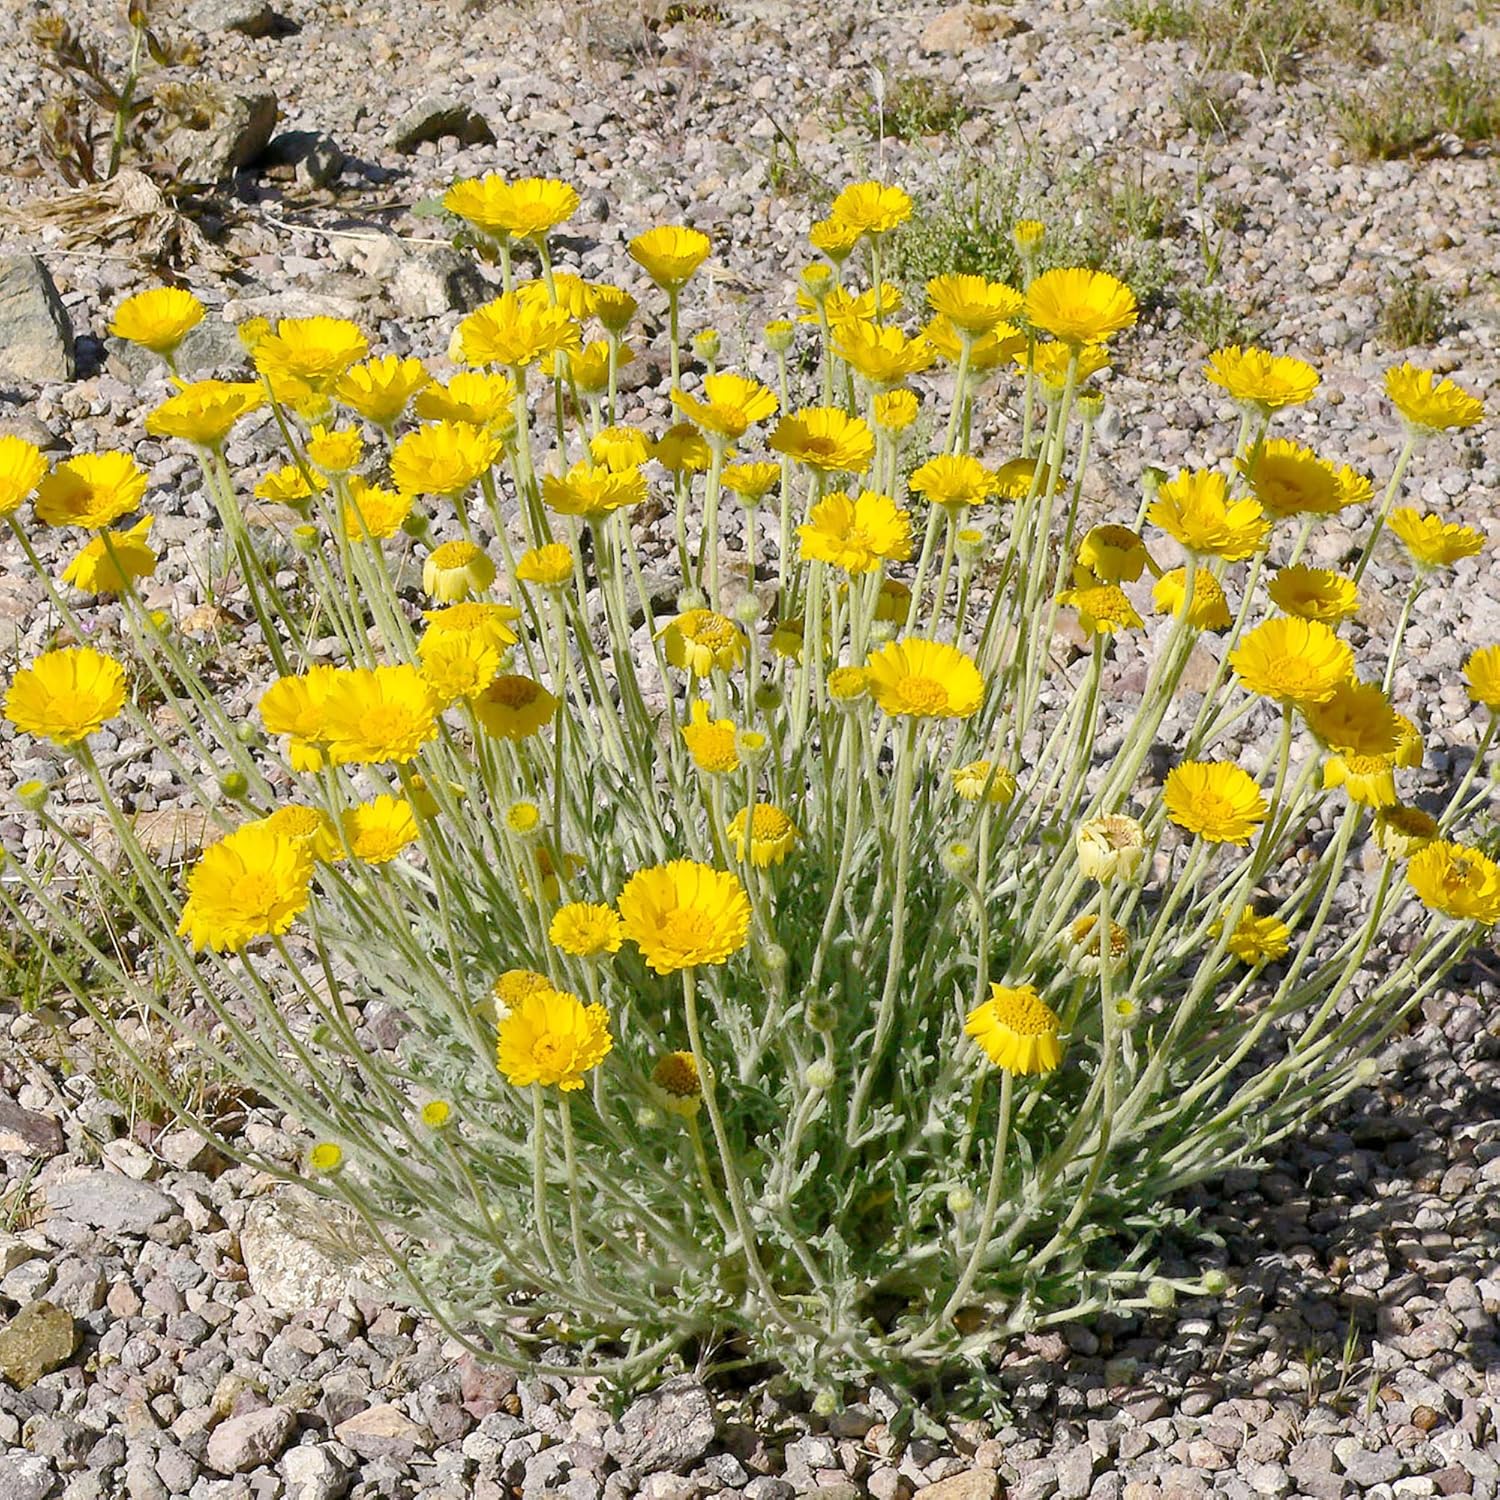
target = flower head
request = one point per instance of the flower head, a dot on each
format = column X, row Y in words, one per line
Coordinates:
column 1401, row 832
column 711, row 742
column 524, row 208
column 514, row 707
column 871, row 207
column 1292, row 661
column 372, row 513
column 204, row 412
column 1259, row 379
column 895, row 411
column 676, row 1083
column 378, row 831
column 312, row 352
column 1195, row 510
column 1255, row 939
column 549, row 566
column 65, row 696
column 733, row 403
column 482, row 398
column 101, row 569
column 460, row 663
column 670, row 254
column 1111, row 554
column 988, row 350
column 700, row 641
column 825, row 438
column 773, row 835
column 614, row 307
column 443, row 458
column 379, row 388
column 1017, row 1030
column 376, row 716
column 290, row 485
column 1217, row 801
column 981, row 778
column 491, row 622
column 251, row 884
column 158, row 319
column 954, row 481
column 1079, row 306
column 1103, row 608
column 586, row 930
column 1482, row 673
column 1291, row 480
column 882, row 355
column 1110, row 848
column 684, row 914
column 973, row 304
column 1355, row 719
column 1457, row 881
column 1433, row 542
column 593, row 491
column 92, row 491
column 1431, row 403
column 1369, row 780
column 751, row 482
column 455, row 570
column 295, row 705
column 335, row 450
column 924, row 680
column 1209, row 609
column 311, row 825
column 21, row 469
column 551, row 1037
column 1314, row 593
column 857, row 535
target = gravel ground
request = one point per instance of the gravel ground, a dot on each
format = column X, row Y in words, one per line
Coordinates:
column 226, row 1346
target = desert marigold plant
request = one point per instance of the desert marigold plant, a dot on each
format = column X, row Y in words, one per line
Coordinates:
column 817, row 960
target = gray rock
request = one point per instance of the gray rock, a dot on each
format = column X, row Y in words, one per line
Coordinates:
column 289, row 1267
column 248, row 17
column 241, row 1443
column 976, row 1484
column 436, row 282
column 104, row 1200
column 36, row 335
column 433, row 119
column 235, row 137
column 211, row 345
column 14, row 1251
column 1075, row 1474
column 315, row 157
column 1366, row 1468
column 39, row 1339
column 671, row 1428
column 25, row 1132
column 26, row 1476
column 383, row 1431
column 314, row 1472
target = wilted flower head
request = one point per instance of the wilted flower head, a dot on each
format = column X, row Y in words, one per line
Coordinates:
column 1110, row 848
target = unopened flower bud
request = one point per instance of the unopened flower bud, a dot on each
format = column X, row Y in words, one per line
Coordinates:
column 747, row 609
column 416, row 524
column 247, row 733
column 690, row 599
column 773, row 958
column 822, row 1015
column 1216, row 1282
column 768, row 698
column 305, row 538
column 970, row 544
column 820, row 1074
column 825, row 1403
column 882, row 631
column 1161, row 1295
column 960, row 1201
column 32, row 795
column 647, row 1117
column 706, row 345
column 779, row 335
column 234, row 785
column 752, row 746
column 817, row 280
column 958, row 859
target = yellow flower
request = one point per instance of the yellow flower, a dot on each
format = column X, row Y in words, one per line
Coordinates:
column 1401, row 832
column 1256, row 940
column 871, row 207
column 1430, row 403
column 158, row 319
column 1109, row 848
column 1314, row 594
column 459, row 664
column 313, row 351
column 894, row 603
column 516, row 332
column 1017, row 1030
column 825, row 438
column 675, row 1081
column 1457, row 881
column 548, row 880
column 586, row 930
column 620, row 448
column 885, row 357
column 895, row 411
column 1049, row 363
column 856, row 535
column 524, row 820
column 443, row 458
column 1111, row 554
column 289, row 485
column 1079, row 306
column 1292, row 661
column 593, row 491
column 1356, row 719
column 99, row 571
column 372, row 513
column 375, row 716
column 296, row 705
column 91, row 491
column 455, row 570
column 1217, row 801
column 670, row 254
column 326, row 1159
column 711, row 742
column 979, row 778
column 590, row 366
column 1260, row 379
column 1409, row 747
column 835, row 238
column 378, row 831
column 1369, row 780
column 335, row 450
column 1027, row 236
column 514, row 985
column 310, row 825
column 1016, row 476
column 682, row 450
column 1291, row 480
column 683, row 914
column 1482, row 673
column 21, row 470
column 733, row 403
column 987, row 351
column 254, row 883
column 842, row 307
column 380, row 388
column 1209, row 609
column 973, row 304
column 954, row 481
column 436, row 1114
column 700, row 641
column 1103, row 609
column 925, row 680
column 1433, row 542
column 1195, row 510
column 514, row 707
column 523, row 209
column 65, row 696
column 204, row 412
column 751, row 482
column 550, row 566
column 478, row 618
column 773, row 835
column 614, row 307
column 482, row 398
column 551, row 1037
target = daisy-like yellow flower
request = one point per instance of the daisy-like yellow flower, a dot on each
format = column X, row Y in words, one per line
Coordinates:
column 158, row 319
column 514, row 985
column 586, row 930
column 550, row 566
column 982, row 778
column 842, row 307
column 311, row 825
column 516, row 332
column 105, row 570
column 1017, row 1030
column 379, row 388
column 895, row 411
column 1109, row 848
column 1457, row 881
column 378, row 831
column 1209, row 609
column 614, row 307
column 1431, row 403
column 455, row 570
column 1260, row 379
column 1049, row 362
column 620, row 448
column 987, row 351
column 1015, row 477
column 482, row 398
column 699, row 641
column 525, row 208
column 1078, row 306
column 1356, row 719
column 682, row 449
column 1255, row 939
column 1081, row 944
column 459, row 664
column 1291, row 480
column 314, row 351
column 253, row 883
column 835, row 238
column 1314, row 594
column 1369, row 780
column 67, row 695
column 925, row 680
column 733, row 403
column 1433, row 542
column 514, row 707
column 593, row 491
column 1103, row 608
column 1195, row 510
column 825, row 438
column 751, row 482
column 1482, row 673
column 857, row 535
column 684, row 914
column 1111, row 554
column 92, row 491
column 21, row 469
column 335, row 450
column 552, row 1038
column 676, row 1084
column 1217, row 801
column 443, row 458
column 871, row 207
column 1291, row 660
column 590, row 366
column 204, row 412
column 295, row 705
column 954, row 481
column 570, row 292
column 290, row 485
column 669, row 254
column 972, row 304
column 475, row 617
column 1401, row 832
column 883, row 356
column 773, row 835
column 372, row 513
column 712, row 743
column 377, row 716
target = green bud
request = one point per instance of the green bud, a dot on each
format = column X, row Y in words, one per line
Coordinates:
column 234, row 785
column 819, row 1075
column 825, row 1403
column 416, row 524
column 768, row 698
column 747, row 609
column 1216, row 1282
column 822, row 1015
column 247, row 733
column 706, row 345
column 647, row 1117
column 1161, row 1295
column 690, row 599
column 32, row 795
column 773, row 958
column 305, row 538
column 960, row 1201
column 779, row 335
